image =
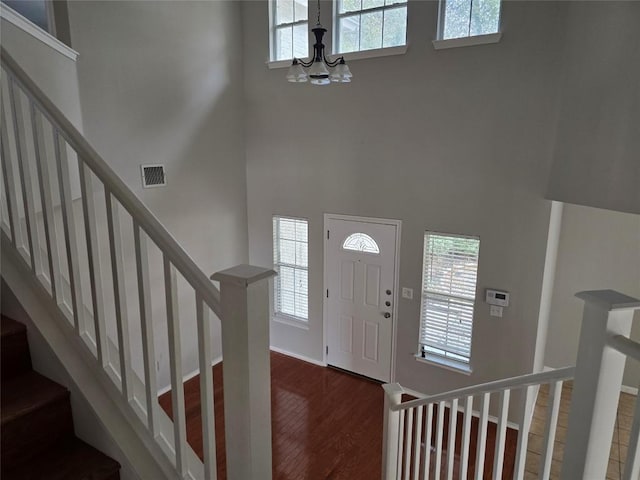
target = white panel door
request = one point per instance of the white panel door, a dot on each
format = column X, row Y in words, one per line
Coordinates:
column 360, row 274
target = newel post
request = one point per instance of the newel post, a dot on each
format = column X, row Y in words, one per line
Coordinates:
column 244, row 296
column 390, row 431
column 596, row 388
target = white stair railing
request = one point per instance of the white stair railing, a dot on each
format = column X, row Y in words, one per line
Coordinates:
column 422, row 439
column 418, row 444
column 110, row 267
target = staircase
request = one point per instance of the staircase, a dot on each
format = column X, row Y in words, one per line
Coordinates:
column 37, row 439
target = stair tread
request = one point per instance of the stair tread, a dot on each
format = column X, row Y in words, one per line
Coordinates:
column 71, row 460
column 27, row 393
column 8, row 326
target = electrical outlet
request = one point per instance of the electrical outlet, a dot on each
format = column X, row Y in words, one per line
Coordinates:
column 495, row 311
column 407, row 293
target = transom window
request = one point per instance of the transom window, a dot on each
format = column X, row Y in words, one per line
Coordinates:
column 450, row 269
column 289, row 29
column 468, row 18
column 361, row 242
column 369, row 24
column 290, row 260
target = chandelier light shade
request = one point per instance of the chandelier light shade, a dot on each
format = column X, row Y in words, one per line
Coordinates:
column 319, row 70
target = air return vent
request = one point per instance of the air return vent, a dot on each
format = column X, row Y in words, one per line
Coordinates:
column 153, row 176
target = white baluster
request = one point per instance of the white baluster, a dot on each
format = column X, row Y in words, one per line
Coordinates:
column 481, row 446
column 401, row 444
column 555, row 392
column 523, row 432
column 416, row 443
column 427, row 441
column 33, row 237
column 501, row 434
column 8, row 176
column 466, row 437
column 175, row 365
column 451, row 445
column 68, row 224
column 44, row 180
column 206, row 390
column 407, row 440
column 146, row 325
column 119, row 290
column 93, row 249
column 439, row 435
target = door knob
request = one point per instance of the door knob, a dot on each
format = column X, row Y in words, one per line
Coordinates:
column 387, row 315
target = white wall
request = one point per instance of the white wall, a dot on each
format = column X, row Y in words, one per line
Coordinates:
column 160, row 83
column 455, row 140
column 599, row 249
column 596, row 156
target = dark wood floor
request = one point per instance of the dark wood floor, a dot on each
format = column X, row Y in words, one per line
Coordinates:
column 326, row 424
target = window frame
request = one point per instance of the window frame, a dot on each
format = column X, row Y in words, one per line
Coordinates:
column 279, row 315
column 371, row 52
column 450, row 360
column 468, row 40
column 273, row 32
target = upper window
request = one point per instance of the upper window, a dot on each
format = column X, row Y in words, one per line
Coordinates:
column 290, row 260
column 468, row 18
column 369, row 24
column 36, row 11
column 289, row 29
column 450, row 270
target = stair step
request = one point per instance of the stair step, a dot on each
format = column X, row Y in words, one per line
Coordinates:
column 35, row 415
column 14, row 349
column 71, row 460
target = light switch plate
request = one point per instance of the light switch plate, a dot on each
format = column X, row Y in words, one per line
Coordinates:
column 407, row 293
column 495, row 311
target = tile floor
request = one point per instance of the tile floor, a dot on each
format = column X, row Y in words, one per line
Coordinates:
column 619, row 444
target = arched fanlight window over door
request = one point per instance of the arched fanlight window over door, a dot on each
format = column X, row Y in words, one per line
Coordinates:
column 361, row 242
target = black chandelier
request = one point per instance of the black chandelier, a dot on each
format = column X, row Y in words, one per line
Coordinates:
column 321, row 70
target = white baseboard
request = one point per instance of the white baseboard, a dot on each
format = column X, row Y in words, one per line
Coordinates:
column 298, row 356
column 189, row 375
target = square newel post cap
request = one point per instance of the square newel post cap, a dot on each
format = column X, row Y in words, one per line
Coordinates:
column 243, row 275
column 609, row 299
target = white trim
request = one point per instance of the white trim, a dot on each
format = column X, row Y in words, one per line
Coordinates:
column 298, row 356
column 629, row 390
column 396, row 282
column 467, row 41
column 290, row 321
column 36, row 32
column 449, row 364
column 190, row 375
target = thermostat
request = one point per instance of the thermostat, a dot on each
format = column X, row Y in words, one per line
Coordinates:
column 497, row 297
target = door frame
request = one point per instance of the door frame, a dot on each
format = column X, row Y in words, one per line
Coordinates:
column 396, row 282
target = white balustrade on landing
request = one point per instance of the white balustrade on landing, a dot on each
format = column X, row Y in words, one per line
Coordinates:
column 604, row 348
column 43, row 154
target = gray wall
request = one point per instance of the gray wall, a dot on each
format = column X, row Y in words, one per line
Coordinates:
column 455, row 140
column 599, row 249
column 160, row 83
column 597, row 152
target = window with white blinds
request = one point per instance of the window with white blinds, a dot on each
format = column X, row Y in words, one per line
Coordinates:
column 450, row 268
column 290, row 260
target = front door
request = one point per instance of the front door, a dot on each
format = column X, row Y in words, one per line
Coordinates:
column 360, row 276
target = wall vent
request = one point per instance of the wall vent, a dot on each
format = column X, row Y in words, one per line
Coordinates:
column 153, row 176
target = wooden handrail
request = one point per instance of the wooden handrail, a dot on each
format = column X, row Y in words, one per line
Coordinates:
column 139, row 212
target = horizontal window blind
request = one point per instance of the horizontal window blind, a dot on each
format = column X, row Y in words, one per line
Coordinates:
column 290, row 259
column 450, row 267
